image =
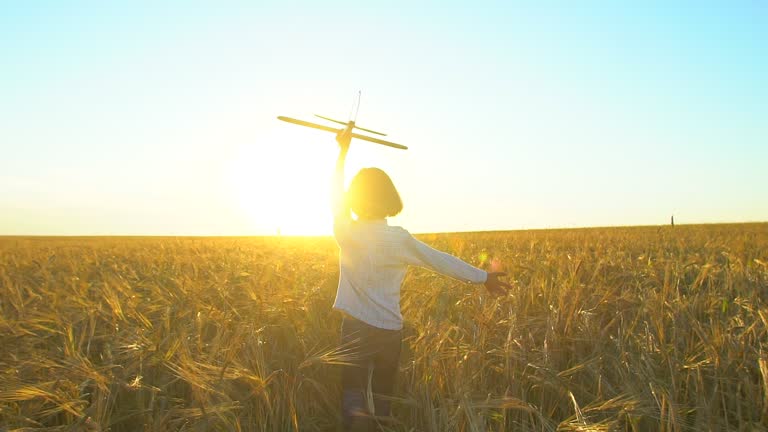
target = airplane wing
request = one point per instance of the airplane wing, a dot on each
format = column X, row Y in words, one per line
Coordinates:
column 334, row 130
column 344, row 123
column 330, row 119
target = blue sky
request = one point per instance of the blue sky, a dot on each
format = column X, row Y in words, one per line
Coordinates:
column 160, row 119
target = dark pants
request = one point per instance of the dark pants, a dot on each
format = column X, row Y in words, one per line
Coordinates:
column 375, row 353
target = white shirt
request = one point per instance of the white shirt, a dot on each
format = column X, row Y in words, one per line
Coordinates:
column 373, row 259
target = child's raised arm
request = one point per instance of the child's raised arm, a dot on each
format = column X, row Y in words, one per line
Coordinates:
column 341, row 217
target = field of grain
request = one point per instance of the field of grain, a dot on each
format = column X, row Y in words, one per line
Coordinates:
column 646, row 328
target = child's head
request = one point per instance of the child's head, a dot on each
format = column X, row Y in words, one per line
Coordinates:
column 372, row 195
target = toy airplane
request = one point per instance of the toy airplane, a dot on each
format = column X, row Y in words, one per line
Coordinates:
column 349, row 124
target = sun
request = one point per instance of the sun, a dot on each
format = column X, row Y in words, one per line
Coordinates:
column 282, row 184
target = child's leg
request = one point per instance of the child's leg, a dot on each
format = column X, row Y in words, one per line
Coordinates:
column 375, row 351
column 385, row 364
column 355, row 336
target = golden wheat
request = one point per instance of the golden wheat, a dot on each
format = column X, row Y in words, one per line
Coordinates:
column 634, row 329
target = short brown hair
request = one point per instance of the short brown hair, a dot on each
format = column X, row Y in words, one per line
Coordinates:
column 372, row 195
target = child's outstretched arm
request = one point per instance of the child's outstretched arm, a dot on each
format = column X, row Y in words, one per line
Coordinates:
column 422, row 255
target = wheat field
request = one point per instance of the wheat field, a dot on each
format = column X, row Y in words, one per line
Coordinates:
column 629, row 329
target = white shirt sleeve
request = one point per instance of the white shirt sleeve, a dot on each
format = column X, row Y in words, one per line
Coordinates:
column 420, row 254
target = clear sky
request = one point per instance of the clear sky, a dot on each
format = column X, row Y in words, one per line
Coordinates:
column 160, row 117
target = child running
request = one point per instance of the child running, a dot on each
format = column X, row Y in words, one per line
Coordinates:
column 373, row 260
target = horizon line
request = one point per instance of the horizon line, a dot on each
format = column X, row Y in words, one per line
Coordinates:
column 414, row 233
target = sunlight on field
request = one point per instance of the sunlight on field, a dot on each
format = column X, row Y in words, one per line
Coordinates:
column 607, row 329
column 279, row 184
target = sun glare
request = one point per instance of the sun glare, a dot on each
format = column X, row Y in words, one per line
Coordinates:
column 282, row 184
